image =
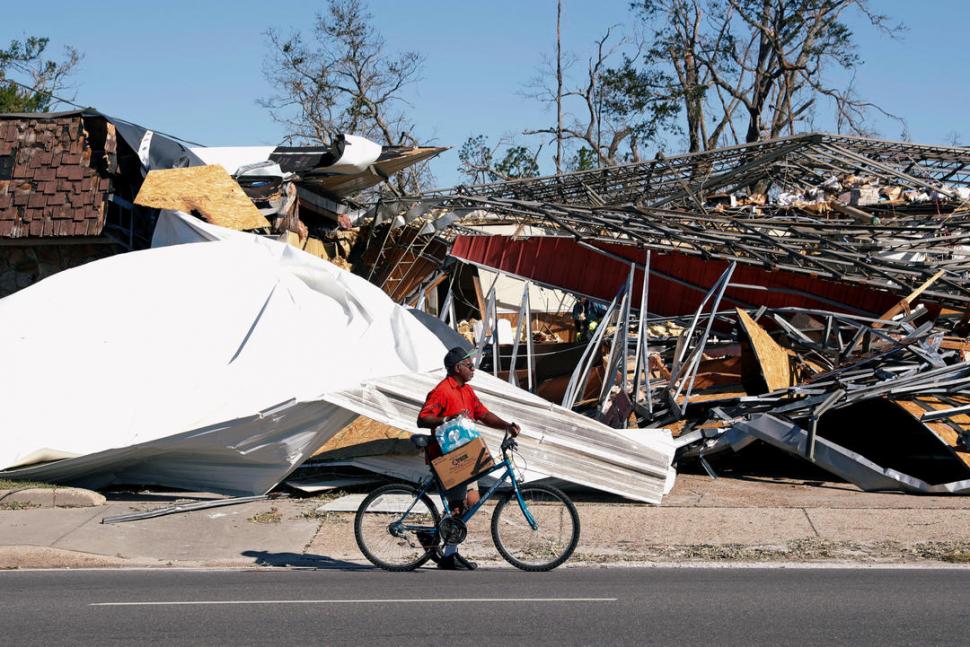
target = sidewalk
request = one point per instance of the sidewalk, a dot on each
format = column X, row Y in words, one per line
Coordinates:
column 702, row 520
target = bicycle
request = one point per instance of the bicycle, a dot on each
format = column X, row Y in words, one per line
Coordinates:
column 538, row 532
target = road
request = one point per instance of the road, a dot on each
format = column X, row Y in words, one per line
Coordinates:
column 575, row 606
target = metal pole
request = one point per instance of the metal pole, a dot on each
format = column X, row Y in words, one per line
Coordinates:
column 582, row 368
column 529, row 356
column 625, row 331
column 495, row 354
column 725, row 282
column 523, row 307
column 608, row 376
column 445, row 309
column 642, row 346
column 679, row 356
column 480, row 344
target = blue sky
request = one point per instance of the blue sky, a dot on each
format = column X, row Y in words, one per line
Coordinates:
column 194, row 69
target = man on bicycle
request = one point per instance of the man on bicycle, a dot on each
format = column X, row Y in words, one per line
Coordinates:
column 451, row 397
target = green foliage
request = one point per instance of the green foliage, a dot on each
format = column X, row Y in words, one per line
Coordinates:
column 24, row 62
column 477, row 162
column 518, row 162
column 583, row 159
column 641, row 97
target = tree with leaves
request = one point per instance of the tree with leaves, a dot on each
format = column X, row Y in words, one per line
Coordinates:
column 38, row 79
column 479, row 163
column 341, row 79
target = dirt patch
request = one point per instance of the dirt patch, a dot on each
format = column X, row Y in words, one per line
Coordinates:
column 273, row 515
column 802, row 550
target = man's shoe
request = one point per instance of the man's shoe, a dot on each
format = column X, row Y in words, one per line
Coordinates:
column 456, row 562
column 428, row 543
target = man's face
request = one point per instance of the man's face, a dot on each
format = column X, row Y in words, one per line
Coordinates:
column 465, row 369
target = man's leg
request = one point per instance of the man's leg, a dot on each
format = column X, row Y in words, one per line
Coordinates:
column 456, row 503
column 458, row 498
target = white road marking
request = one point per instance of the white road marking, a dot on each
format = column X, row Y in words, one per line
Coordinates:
column 365, row 601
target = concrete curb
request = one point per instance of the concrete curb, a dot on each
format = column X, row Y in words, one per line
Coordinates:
column 62, row 497
column 14, row 558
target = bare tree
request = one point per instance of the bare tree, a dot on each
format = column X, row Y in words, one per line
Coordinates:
column 758, row 67
column 558, row 86
column 38, row 80
column 341, row 79
column 602, row 117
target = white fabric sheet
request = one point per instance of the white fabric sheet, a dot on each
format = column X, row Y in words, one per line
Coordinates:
column 140, row 347
column 223, row 364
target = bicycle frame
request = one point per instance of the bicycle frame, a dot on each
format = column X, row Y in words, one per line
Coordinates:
column 508, row 475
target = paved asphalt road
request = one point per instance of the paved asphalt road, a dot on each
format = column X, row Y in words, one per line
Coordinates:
column 579, row 606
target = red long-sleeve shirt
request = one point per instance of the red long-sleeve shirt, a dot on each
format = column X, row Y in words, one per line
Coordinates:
column 446, row 400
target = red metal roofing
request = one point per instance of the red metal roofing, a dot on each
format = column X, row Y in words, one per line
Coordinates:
column 563, row 263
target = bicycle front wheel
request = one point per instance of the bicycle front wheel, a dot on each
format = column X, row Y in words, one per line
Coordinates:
column 388, row 537
column 544, row 547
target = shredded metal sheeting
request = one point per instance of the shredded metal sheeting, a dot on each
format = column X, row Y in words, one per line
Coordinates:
column 554, row 441
column 182, row 507
column 847, row 464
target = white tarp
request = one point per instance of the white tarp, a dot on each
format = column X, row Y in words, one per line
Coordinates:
column 223, row 364
column 176, row 351
column 232, row 157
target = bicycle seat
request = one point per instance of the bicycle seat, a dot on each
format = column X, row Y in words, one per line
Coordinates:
column 420, row 440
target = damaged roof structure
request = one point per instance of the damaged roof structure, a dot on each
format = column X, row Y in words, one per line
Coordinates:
column 67, row 181
column 222, row 426
column 810, row 292
column 70, row 181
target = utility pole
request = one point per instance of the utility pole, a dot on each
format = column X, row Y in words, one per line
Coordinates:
column 558, row 88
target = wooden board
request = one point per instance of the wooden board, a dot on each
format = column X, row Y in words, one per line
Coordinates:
column 365, row 434
column 208, row 191
column 772, row 358
column 315, row 246
column 941, row 429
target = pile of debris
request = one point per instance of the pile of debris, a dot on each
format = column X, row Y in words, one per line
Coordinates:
column 811, row 292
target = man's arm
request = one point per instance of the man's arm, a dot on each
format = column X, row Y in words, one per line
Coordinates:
column 495, row 422
column 430, row 421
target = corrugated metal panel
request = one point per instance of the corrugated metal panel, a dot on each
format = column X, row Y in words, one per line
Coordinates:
column 561, row 262
column 555, row 442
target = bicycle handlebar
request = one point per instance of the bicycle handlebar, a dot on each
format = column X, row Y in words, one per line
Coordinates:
column 509, row 442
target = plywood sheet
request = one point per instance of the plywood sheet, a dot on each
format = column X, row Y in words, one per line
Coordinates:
column 772, row 357
column 208, row 191
column 918, row 406
column 365, row 434
column 315, row 246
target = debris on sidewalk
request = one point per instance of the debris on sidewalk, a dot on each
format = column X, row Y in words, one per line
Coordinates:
column 233, row 431
column 810, row 292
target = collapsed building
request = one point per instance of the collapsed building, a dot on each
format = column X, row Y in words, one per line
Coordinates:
column 809, row 292
column 183, row 383
column 69, row 182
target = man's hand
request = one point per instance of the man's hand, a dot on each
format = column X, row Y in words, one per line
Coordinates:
column 512, row 429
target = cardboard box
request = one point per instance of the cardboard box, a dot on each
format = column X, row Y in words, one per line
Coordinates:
column 464, row 464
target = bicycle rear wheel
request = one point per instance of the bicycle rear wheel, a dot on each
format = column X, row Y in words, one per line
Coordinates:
column 545, row 547
column 390, row 539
